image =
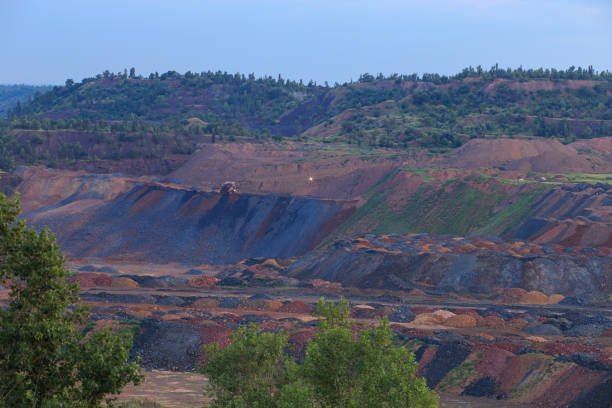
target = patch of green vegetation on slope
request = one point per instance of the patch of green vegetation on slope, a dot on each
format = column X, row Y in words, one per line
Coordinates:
column 375, row 199
column 458, row 207
column 460, row 376
column 514, row 213
column 582, row 178
column 455, row 207
column 423, row 172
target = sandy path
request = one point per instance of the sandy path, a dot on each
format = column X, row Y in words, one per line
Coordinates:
column 185, row 390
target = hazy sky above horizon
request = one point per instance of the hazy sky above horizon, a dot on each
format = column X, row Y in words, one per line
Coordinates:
column 45, row 42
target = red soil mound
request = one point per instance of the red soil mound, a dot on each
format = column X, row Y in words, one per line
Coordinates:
column 216, row 334
column 124, row 283
column 541, row 155
column 493, row 361
column 508, row 346
column 299, row 340
column 513, row 295
column 555, row 348
column 426, row 358
column 470, row 312
column 492, row 321
column 274, row 325
column 554, row 299
column 534, row 298
column 273, row 305
column 296, row 306
column 428, row 319
column 601, row 145
column 517, row 324
column 460, row 321
column 517, row 369
column 91, row 280
column 566, row 386
column 205, row 304
column 204, row 281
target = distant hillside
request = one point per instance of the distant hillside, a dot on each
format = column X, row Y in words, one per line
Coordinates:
column 117, row 116
column 10, row 95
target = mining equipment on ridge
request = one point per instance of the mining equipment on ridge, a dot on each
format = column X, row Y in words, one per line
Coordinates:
column 228, row 187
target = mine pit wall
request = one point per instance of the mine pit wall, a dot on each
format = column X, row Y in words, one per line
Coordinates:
column 161, row 224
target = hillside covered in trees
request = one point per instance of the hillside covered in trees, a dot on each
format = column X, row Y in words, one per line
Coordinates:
column 124, row 115
column 11, row 95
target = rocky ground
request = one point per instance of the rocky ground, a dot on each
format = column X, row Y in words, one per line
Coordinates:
column 515, row 345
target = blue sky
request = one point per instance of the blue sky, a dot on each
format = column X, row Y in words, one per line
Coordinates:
column 45, row 42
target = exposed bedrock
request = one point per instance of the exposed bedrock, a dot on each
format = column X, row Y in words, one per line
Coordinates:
column 588, row 276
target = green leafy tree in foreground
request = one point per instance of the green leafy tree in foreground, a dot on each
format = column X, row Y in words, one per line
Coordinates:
column 246, row 373
column 343, row 367
column 45, row 359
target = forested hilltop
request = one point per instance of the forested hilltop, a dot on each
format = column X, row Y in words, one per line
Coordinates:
column 125, row 115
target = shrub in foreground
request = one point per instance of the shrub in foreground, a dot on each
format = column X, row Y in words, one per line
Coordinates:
column 343, row 367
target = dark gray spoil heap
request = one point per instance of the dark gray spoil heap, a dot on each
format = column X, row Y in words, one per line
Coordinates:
column 163, row 225
column 587, row 276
